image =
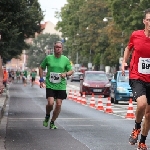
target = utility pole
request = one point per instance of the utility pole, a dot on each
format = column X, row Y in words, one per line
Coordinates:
column 77, row 58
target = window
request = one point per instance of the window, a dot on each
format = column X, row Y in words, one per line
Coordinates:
column 96, row 77
column 123, row 78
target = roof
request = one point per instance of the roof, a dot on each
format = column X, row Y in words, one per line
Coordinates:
column 43, row 25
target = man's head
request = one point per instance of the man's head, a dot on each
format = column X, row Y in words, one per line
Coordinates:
column 146, row 19
column 58, row 47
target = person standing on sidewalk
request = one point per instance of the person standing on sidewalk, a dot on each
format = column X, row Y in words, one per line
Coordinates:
column 58, row 68
column 139, row 45
column 5, row 77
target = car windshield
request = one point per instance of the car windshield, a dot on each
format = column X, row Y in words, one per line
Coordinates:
column 96, row 77
column 123, row 78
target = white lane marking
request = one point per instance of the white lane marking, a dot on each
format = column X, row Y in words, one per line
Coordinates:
column 80, row 125
column 43, row 118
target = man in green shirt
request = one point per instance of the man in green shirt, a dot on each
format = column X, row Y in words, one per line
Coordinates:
column 58, row 68
column 18, row 75
column 24, row 77
column 33, row 76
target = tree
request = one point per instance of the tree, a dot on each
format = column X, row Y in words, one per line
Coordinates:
column 82, row 22
column 20, row 19
column 69, row 24
column 129, row 13
column 42, row 46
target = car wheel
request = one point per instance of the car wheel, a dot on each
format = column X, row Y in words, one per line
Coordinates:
column 115, row 101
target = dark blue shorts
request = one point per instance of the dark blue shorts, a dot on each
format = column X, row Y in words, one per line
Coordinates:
column 140, row 88
column 57, row 94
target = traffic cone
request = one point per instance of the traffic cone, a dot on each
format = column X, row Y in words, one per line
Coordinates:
column 130, row 113
column 83, row 102
column 92, row 102
column 108, row 106
column 79, row 98
column 70, row 95
column 100, row 104
column 75, row 96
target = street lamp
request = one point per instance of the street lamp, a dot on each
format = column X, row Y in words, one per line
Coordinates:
column 90, row 61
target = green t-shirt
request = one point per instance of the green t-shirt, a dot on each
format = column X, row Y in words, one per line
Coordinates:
column 25, row 73
column 55, row 66
column 17, row 73
column 33, row 74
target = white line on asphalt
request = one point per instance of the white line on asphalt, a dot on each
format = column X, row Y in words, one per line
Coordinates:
column 42, row 118
column 25, row 118
column 80, row 125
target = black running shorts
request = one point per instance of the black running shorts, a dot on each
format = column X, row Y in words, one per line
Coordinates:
column 140, row 88
column 33, row 79
column 57, row 94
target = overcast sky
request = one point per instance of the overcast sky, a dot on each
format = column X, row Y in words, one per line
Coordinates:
column 50, row 6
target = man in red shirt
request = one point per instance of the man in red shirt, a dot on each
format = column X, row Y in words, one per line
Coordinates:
column 139, row 45
column 5, row 77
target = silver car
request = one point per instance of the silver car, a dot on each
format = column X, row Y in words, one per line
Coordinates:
column 76, row 76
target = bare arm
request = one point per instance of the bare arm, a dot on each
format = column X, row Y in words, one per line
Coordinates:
column 40, row 72
column 126, row 56
column 69, row 73
column 41, row 76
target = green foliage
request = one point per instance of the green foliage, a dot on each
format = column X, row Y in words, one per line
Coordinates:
column 82, row 22
column 42, row 45
column 20, row 19
column 129, row 13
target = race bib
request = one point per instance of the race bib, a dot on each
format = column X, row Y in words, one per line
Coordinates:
column 144, row 65
column 55, row 77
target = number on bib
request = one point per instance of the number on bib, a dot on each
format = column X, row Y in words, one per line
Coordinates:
column 144, row 65
column 55, row 77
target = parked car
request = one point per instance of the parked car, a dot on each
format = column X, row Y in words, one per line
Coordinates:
column 95, row 82
column 120, row 88
column 75, row 76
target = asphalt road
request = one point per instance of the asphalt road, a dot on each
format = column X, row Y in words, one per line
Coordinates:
column 79, row 127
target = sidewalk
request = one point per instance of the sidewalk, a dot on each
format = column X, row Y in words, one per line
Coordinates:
column 3, row 98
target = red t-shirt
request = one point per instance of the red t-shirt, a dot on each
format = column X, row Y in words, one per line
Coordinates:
column 140, row 62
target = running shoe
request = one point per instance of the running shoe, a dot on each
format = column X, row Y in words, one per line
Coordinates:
column 52, row 126
column 142, row 146
column 134, row 136
column 45, row 122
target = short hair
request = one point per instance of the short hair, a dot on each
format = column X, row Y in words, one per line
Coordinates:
column 58, row 42
column 147, row 11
